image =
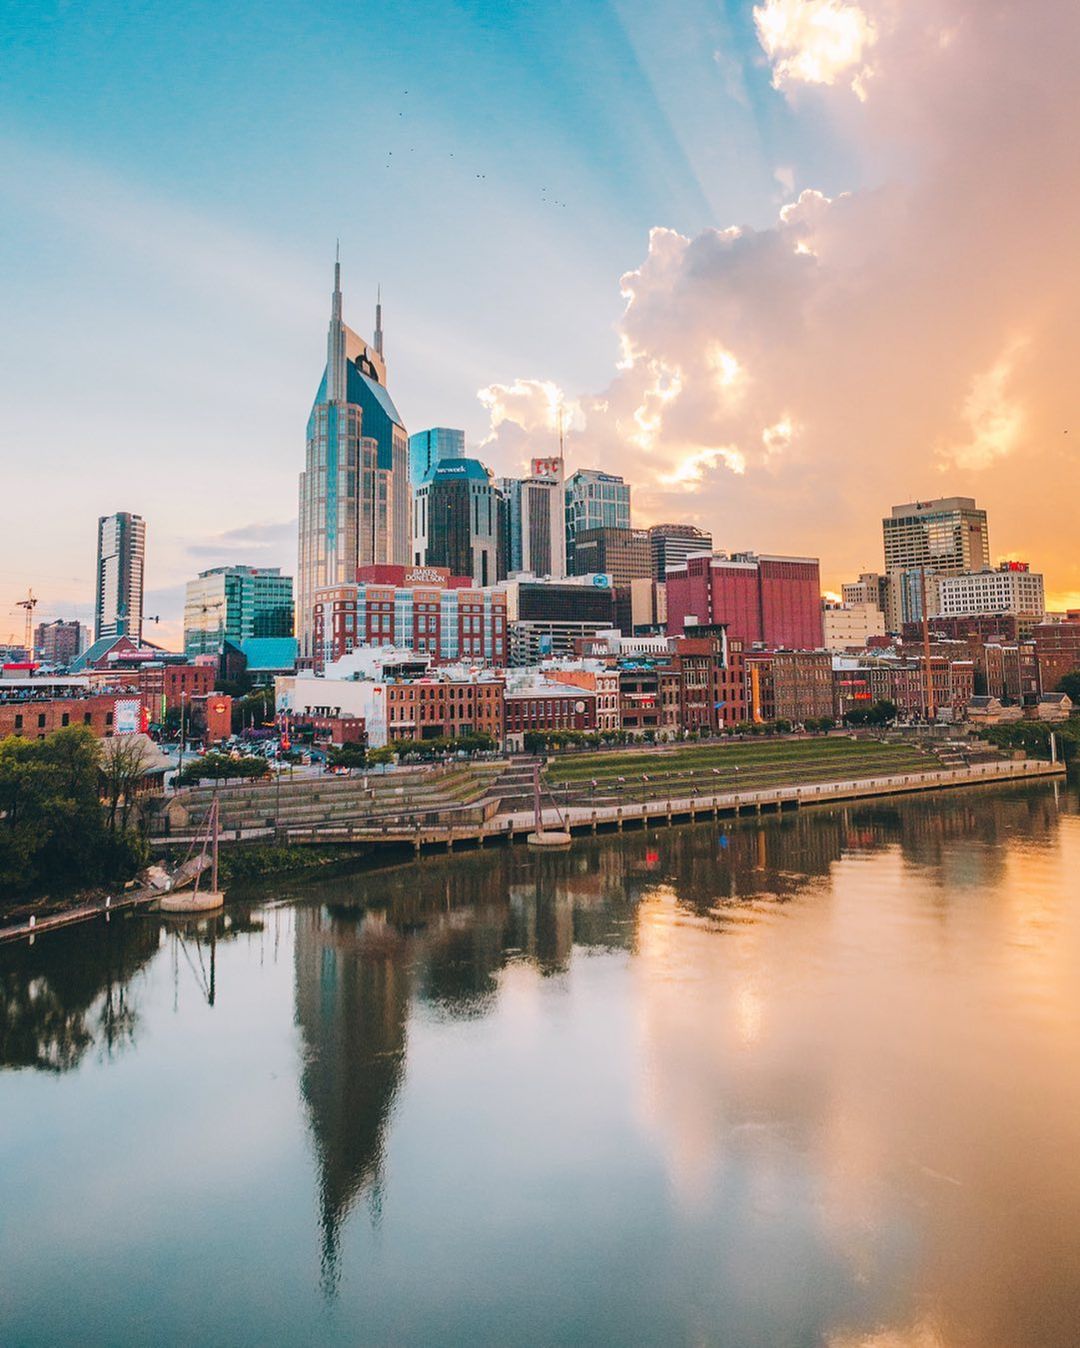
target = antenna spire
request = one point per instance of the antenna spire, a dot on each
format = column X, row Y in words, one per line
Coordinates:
column 335, row 346
column 378, row 320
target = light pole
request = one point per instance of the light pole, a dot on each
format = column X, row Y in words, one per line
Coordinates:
column 180, row 764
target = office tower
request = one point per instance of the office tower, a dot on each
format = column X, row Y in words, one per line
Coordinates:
column 944, row 537
column 673, row 543
column 947, row 536
column 427, row 449
column 58, row 642
column 594, row 500
column 509, row 489
column 459, row 521
column 234, row 603
column 543, row 519
column 871, row 588
column 354, row 490
column 770, row 601
column 121, row 554
column 622, row 554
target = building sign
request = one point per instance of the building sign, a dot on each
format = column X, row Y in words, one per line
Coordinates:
column 127, row 716
column 426, row 575
column 549, row 468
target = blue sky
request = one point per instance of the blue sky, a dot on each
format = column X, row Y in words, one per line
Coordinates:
column 174, row 178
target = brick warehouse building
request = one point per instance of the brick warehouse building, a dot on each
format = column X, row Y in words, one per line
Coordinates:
column 767, row 601
column 35, row 717
column 1057, row 650
column 424, row 609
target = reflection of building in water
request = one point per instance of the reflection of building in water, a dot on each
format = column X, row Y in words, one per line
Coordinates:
column 959, row 836
column 71, row 992
column 352, row 999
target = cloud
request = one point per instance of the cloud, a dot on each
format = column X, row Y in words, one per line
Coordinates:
column 785, row 385
column 250, row 539
column 815, row 42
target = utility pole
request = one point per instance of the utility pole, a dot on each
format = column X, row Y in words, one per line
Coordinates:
column 928, row 678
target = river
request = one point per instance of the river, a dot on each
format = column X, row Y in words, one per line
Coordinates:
column 809, row 1081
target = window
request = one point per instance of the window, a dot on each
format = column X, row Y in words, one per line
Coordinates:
column 40, row 720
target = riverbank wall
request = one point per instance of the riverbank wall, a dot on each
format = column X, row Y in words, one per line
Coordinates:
column 515, row 827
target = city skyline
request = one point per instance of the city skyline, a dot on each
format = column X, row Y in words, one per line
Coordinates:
column 743, row 381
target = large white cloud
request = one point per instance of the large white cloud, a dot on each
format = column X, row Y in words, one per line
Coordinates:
column 785, row 386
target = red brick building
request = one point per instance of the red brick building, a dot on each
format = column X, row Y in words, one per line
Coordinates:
column 161, row 687
column 423, row 609
column 773, row 602
column 794, row 686
column 545, row 708
column 428, row 708
column 1057, row 650
column 34, row 718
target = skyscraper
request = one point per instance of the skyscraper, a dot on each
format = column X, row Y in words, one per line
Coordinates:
column 427, row 449
column 121, row 554
column 594, row 500
column 354, row 490
column 943, row 537
column 234, row 603
column 947, row 536
column 510, row 490
column 459, row 521
column 543, row 519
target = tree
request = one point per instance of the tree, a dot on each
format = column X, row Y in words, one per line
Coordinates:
column 53, row 833
column 347, row 756
column 1070, row 685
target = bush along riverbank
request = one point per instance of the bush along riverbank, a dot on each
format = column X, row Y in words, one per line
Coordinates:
column 57, row 837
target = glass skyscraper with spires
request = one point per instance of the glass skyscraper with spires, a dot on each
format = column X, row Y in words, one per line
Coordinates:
column 354, row 490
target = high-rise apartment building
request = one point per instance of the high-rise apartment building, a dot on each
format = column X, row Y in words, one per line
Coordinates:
column 459, row 521
column 622, row 554
column 427, row 449
column 235, row 603
column 672, row 544
column 594, row 500
column 769, row 601
column 354, row 490
column 121, row 556
column 58, row 642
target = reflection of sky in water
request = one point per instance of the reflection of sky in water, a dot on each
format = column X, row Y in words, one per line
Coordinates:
column 808, row 1082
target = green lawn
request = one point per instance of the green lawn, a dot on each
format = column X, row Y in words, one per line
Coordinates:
column 747, row 765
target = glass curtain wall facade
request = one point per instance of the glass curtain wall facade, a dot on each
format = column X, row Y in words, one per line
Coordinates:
column 427, row 449
column 594, row 500
column 459, row 522
column 121, row 555
column 235, row 603
column 354, row 490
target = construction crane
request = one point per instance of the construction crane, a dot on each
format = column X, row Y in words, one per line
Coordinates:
column 29, row 603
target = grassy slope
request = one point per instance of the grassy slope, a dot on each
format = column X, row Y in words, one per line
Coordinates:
column 753, row 764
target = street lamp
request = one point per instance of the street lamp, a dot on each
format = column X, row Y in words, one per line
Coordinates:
column 180, row 764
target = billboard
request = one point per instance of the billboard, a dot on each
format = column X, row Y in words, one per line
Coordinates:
column 549, row 468
column 127, row 716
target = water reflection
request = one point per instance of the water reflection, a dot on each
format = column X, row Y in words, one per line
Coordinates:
column 72, row 992
column 77, row 989
column 849, row 1039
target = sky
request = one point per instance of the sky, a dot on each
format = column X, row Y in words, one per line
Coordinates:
column 783, row 265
